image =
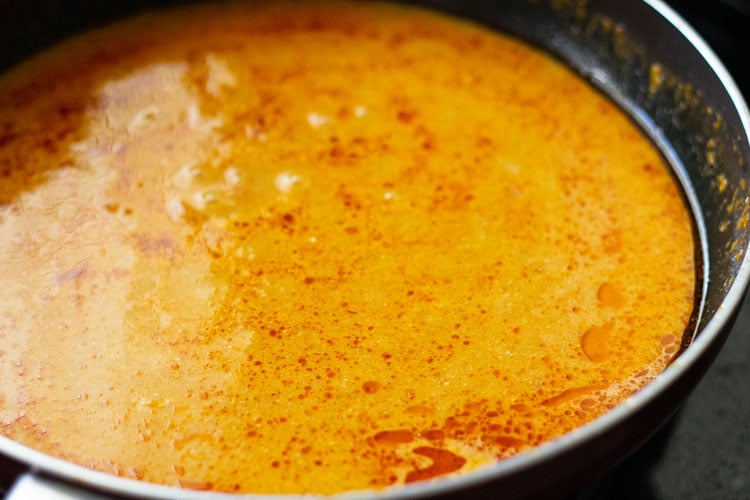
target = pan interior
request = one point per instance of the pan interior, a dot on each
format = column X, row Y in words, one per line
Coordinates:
column 682, row 171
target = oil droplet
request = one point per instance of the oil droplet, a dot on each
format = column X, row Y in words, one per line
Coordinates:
column 508, row 442
column 195, row 485
column 609, row 295
column 394, row 437
column 443, row 462
column 595, row 342
column 422, row 410
column 371, row 387
column 433, row 434
column 571, row 394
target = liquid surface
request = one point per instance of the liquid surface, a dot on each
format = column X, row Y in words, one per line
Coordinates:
column 343, row 247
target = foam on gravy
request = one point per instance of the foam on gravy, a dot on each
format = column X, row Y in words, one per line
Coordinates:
column 318, row 247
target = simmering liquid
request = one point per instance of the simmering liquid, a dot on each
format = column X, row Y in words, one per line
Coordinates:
column 319, row 247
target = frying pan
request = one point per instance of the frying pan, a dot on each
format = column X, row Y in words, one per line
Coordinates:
column 695, row 114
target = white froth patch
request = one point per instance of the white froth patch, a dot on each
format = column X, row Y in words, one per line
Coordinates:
column 185, row 176
column 143, row 116
column 317, row 120
column 200, row 199
column 232, row 176
column 198, row 123
column 285, row 181
column 175, row 209
column 255, row 133
column 219, row 75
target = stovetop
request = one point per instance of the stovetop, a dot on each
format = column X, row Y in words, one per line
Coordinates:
column 704, row 451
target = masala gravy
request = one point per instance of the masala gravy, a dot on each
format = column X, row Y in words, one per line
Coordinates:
column 315, row 247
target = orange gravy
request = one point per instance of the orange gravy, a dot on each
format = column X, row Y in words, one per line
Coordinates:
column 320, row 247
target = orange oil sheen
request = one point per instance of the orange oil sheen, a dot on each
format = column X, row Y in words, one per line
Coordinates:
column 318, row 247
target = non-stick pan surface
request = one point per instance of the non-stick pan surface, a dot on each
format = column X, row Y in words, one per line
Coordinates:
column 616, row 44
